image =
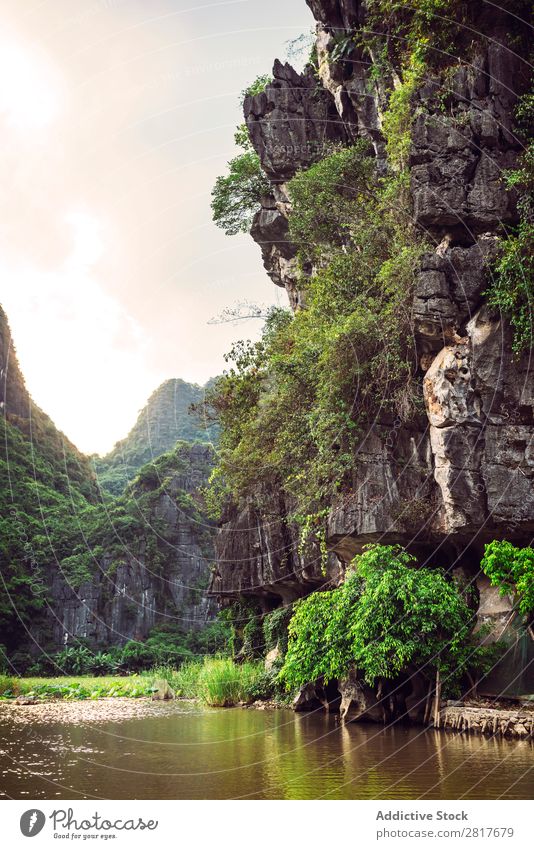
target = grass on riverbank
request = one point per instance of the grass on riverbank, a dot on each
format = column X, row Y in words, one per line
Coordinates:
column 218, row 682
column 78, row 687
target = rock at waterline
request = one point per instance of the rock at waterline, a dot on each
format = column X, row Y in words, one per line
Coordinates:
column 163, row 692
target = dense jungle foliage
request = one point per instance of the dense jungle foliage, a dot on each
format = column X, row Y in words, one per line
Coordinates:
column 166, row 419
column 388, row 617
column 48, row 527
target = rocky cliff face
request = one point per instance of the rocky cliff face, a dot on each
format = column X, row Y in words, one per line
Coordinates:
column 156, row 575
column 464, row 473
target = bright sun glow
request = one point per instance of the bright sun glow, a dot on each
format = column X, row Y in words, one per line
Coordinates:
column 29, row 91
column 98, row 360
column 114, row 128
column 88, row 241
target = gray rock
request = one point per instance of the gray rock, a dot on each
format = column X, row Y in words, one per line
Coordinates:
column 163, row 693
column 127, row 596
column 292, row 123
column 358, row 701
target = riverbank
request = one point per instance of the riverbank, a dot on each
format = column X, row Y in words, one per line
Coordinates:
column 75, row 712
column 216, row 681
column 76, row 687
column 512, row 722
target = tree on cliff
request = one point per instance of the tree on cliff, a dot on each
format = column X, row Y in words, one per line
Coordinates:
column 388, row 617
column 236, row 196
column 512, row 569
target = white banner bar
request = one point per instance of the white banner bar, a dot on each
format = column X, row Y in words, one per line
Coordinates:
column 269, row 824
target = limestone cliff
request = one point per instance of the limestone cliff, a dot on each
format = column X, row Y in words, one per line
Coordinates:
column 152, row 570
column 19, row 410
column 464, row 473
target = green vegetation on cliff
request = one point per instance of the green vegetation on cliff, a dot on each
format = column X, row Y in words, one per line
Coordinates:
column 236, row 196
column 440, row 30
column 293, row 406
column 512, row 569
column 511, row 291
column 91, row 567
column 49, row 529
column 166, row 419
column 388, row 618
column 40, row 504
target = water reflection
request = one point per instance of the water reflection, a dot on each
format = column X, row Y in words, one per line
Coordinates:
column 182, row 752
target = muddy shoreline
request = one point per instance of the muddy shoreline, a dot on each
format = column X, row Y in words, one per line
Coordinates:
column 517, row 723
column 107, row 709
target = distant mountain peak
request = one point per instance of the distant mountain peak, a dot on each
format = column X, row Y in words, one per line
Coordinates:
column 165, row 419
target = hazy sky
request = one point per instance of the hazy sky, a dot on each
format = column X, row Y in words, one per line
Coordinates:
column 116, row 117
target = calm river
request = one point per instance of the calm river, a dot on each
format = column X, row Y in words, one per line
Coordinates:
column 183, row 751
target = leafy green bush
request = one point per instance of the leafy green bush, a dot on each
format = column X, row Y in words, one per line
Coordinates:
column 105, row 663
column 275, row 628
column 386, row 618
column 135, row 656
column 319, row 643
column 512, row 569
column 74, row 660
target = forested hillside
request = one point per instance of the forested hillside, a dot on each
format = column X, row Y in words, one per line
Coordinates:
column 80, row 567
